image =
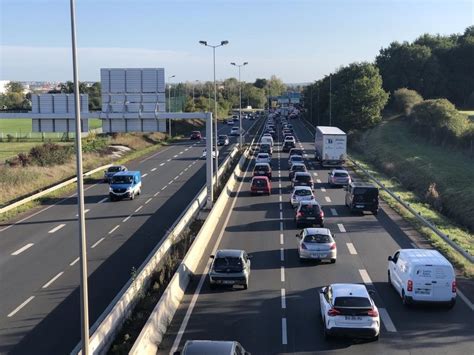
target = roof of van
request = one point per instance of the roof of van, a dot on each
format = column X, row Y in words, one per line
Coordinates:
column 330, row 130
column 127, row 173
column 424, row 257
column 208, row 347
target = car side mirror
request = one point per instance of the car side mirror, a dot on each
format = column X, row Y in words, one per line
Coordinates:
column 297, row 236
column 212, row 256
column 372, row 293
column 390, row 258
column 321, row 291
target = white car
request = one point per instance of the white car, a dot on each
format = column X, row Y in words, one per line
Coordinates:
column 230, row 122
column 295, row 159
column 234, row 131
column 348, row 310
column 263, row 158
column 317, row 244
column 204, row 154
column 301, row 193
column 339, row 177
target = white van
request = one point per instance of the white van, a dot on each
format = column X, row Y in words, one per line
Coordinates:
column 267, row 139
column 422, row 275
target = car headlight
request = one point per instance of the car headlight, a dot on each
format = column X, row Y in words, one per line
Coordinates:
column 129, row 189
column 111, row 189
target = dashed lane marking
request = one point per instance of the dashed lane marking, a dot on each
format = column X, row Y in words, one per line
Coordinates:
column 282, row 274
column 323, row 189
column 114, row 229
column 138, row 209
column 103, row 200
column 22, row 249
column 318, row 181
column 144, row 175
column 387, row 321
column 327, row 198
column 351, row 248
column 47, row 284
column 55, row 229
column 28, row 300
column 149, row 200
column 365, row 276
column 341, row 227
column 283, row 298
column 154, row 169
column 74, row 262
column 162, row 164
column 126, row 219
column 282, row 254
column 334, row 212
column 97, row 243
column 284, row 337
column 85, row 211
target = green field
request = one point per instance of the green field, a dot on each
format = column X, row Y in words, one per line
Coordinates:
column 23, row 126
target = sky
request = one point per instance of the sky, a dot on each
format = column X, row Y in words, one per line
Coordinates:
column 296, row 40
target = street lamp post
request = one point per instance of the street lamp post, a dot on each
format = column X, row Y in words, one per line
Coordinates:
column 169, row 102
column 240, row 102
column 223, row 43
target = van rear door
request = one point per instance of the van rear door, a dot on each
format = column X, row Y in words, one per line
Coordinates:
column 433, row 282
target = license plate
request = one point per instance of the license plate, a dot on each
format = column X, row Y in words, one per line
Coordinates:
column 318, row 255
column 311, row 218
column 353, row 318
column 359, row 206
column 227, row 282
column 261, row 172
column 260, row 191
column 422, row 292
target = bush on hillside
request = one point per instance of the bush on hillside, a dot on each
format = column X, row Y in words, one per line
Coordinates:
column 404, row 99
column 439, row 121
column 50, row 154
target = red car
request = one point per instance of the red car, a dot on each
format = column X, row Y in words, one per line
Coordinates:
column 195, row 135
column 260, row 185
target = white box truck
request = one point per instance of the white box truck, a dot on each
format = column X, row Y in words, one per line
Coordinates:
column 330, row 146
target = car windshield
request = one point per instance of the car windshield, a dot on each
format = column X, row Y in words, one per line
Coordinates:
column 309, row 208
column 302, row 192
column 304, row 178
column 317, row 238
column 122, row 179
column 259, row 182
column 114, row 169
column 352, row 302
column 233, row 263
column 341, row 174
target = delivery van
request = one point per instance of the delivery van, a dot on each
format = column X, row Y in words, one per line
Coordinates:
column 125, row 184
column 422, row 275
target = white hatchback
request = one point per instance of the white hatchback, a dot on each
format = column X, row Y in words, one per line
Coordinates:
column 349, row 310
column 301, row 193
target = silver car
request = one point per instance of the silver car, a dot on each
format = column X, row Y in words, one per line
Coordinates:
column 316, row 244
column 295, row 159
column 230, row 267
column 339, row 177
column 212, row 347
column 301, row 193
column 263, row 158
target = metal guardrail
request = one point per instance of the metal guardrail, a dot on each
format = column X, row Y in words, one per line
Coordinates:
column 417, row 214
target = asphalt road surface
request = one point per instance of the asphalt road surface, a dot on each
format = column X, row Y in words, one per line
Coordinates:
column 39, row 269
column 279, row 313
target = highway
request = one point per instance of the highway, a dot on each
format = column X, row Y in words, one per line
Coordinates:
column 279, row 312
column 39, row 308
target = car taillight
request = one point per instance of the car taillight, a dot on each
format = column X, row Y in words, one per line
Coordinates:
column 373, row 313
column 299, row 214
column 303, row 246
column 321, row 214
column 410, row 285
column 453, row 286
column 333, row 312
column 333, row 246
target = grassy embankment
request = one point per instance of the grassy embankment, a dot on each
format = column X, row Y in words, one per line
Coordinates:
column 18, row 181
column 420, row 173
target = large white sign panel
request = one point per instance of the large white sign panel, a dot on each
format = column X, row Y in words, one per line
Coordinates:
column 132, row 98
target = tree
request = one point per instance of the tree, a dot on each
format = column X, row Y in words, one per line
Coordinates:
column 14, row 98
column 275, row 86
column 14, row 86
column 253, row 96
column 260, row 83
column 404, row 100
column 189, row 105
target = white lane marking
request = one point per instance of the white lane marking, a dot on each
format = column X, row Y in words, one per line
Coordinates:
column 154, row 155
column 12, row 313
column 281, row 206
column 85, row 211
column 282, row 241
column 154, row 169
column 315, row 174
column 175, row 156
column 181, row 173
column 97, row 243
column 281, row 226
column 186, row 149
column 156, row 193
column 318, row 181
column 164, row 187
column 181, row 152
column 138, row 209
column 334, row 212
column 279, row 185
column 327, row 198
column 284, row 337
column 283, row 298
column 280, row 198
column 466, row 300
column 114, row 229
column 147, row 201
column 74, row 262
column 192, row 304
column 55, row 229
column 281, row 215
column 351, row 248
column 103, row 200
column 168, row 160
column 162, row 164
column 22, row 249
column 170, row 182
column 341, row 228
column 365, row 276
column 414, row 245
column 126, row 219
column 282, row 254
column 282, row 274
column 323, row 189
column 47, row 284
column 387, row 321
column 144, row 175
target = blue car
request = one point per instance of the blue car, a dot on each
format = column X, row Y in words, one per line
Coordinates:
column 125, row 184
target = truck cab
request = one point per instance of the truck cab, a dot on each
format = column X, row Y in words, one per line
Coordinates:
column 125, row 184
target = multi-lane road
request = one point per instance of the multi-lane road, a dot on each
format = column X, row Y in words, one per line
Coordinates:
column 279, row 312
column 39, row 277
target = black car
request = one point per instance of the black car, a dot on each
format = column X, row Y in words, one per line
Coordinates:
column 295, row 168
column 362, row 196
column 296, row 151
column 309, row 213
column 288, row 145
column 302, row 179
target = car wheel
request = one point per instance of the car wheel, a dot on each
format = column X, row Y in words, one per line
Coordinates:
column 246, row 285
column 405, row 300
column 389, row 279
column 139, row 192
column 333, row 261
column 451, row 304
column 132, row 196
column 325, row 331
column 375, row 338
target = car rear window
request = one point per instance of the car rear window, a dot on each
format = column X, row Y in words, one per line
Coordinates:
column 296, row 158
column 352, row 302
column 114, row 169
column 228, row 263
column 304, row 178
column 365, row 191
column 317, row 238
column 309, row 208
column 302, row 192
column 222, row 137
column 259, row 182
column 261, row 167
column 263, row 156
column 340, row 174
column 298, row 168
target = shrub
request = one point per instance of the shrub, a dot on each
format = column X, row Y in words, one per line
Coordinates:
column 404, row 99
column 50, row 154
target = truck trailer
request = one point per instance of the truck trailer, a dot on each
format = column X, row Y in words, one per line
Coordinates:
column 330, row 146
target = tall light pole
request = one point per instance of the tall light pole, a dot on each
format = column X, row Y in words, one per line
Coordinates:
column 223, row 43
column 240, row 101
column 330, row 99
column 80, row 193
column 169, row 102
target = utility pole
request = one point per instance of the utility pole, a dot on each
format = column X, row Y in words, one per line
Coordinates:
column 330, row 99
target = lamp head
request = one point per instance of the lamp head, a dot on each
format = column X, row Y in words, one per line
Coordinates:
column 204, row 43
column 232, row 63
column 245, row 63
column 223, row 43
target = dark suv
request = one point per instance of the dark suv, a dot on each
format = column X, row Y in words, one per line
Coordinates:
column 288, row 145
column 309, row 213
column 362, row 196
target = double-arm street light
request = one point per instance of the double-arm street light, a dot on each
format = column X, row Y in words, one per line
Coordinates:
column 169, row 101
column 240, row 102
column 223, row 43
